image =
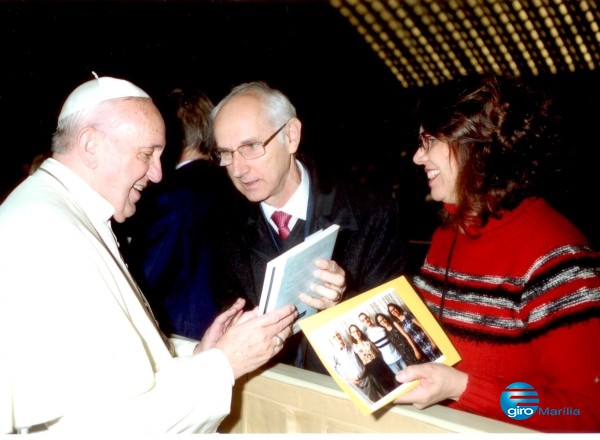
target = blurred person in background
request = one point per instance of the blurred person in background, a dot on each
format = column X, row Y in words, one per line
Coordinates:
column 171, row 237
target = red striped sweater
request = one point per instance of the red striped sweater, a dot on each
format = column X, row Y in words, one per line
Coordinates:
column 522, row 304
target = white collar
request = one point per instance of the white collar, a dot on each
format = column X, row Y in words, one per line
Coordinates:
column 184, row 163
column 297, row 205
column 96, row 207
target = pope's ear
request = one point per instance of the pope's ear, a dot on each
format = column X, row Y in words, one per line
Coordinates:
column 87, row 146
column 293, row 133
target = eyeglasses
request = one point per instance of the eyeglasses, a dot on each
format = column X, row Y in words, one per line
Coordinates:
column 248, row 151
column 426, row 141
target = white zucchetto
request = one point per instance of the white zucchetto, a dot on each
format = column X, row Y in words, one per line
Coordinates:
column 99, row 90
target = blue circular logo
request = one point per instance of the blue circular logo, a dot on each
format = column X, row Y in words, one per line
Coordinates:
column 519, row 401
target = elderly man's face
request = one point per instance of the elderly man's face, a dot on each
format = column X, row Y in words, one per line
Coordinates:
column 268, row 178
column 129, row 157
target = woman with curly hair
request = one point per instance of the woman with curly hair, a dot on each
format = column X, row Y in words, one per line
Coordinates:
column 514, row 284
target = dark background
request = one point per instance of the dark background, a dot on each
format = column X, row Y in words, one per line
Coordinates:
column 355, row 114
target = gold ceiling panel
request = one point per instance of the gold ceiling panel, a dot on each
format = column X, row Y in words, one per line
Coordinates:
column 427, row 42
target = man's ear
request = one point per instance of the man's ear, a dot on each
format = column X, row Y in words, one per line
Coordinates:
column 292, row 134
column 88, row 142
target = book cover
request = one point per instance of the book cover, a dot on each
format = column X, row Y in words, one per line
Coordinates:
column 291, row 273
column 365, row 340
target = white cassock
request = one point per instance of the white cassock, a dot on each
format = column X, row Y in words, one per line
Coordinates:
column 79, row 352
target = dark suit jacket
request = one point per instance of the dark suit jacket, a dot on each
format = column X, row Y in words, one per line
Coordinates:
column 172, row 241
column 370, row 245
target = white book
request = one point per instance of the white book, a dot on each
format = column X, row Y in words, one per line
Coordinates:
column 291, row 273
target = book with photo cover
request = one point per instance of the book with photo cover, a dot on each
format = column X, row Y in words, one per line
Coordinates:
column 291, row 273
column 366, row 339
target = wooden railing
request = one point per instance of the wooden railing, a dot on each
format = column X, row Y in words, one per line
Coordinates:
column 284, row 399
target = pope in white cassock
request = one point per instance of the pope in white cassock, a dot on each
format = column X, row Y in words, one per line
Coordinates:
column 80, row 351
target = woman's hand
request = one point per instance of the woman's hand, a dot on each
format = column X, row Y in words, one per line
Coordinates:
column 437, row 382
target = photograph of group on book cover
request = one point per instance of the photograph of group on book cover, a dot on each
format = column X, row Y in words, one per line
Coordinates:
column 363, row 342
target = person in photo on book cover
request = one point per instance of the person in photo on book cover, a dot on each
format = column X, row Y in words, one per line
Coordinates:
column 515, row 285
column 372, row 358
column 257, row 137
column 391, row 354
column 348, row 365
column 404, row 320
column 407, row 348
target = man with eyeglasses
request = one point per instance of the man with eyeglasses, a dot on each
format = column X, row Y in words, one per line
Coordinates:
column 257, row 135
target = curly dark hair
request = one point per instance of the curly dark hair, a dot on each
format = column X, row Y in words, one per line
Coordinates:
column 503, row 135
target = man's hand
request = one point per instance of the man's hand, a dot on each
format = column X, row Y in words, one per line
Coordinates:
column 333, row 288
column 220, row 325
column 252, row 339
column 437, row 382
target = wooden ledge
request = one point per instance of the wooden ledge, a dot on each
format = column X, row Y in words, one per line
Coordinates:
column 285, row 399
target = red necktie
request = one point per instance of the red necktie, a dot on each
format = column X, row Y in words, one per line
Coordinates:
column 281, row 219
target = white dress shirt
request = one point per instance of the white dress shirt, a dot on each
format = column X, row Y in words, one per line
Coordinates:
column 296, row 206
